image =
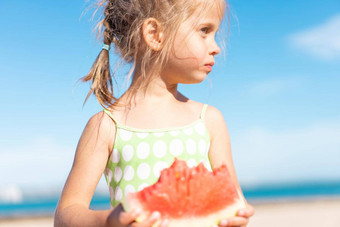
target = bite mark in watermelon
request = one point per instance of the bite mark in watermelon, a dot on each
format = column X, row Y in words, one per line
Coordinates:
column 189, row 196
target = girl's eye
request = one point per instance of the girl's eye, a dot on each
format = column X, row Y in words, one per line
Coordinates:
column 204, row 30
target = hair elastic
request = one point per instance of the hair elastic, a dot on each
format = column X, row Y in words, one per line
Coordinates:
column 106, row 47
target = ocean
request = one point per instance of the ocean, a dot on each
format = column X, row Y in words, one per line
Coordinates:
column 45, row 205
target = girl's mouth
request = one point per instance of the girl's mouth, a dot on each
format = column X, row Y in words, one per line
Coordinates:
column 209, row 66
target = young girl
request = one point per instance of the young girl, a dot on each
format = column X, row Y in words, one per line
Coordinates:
column 138, row 134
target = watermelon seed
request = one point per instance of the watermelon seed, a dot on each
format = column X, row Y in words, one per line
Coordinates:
column 177, row 175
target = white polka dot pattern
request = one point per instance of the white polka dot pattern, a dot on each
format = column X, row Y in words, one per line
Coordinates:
column 188, row 131
column 158, row 134
column 142, row 186
column 191, row 146
column 118, row 193
column 191, row 162
column 129, row 189
column 109, row 175
column 143, row 150
column 176, row 147
column 115, row 156
column 174, row 132
column 127, row 153
column 159, row 166
column 159, row 149
column 200, row 129
column 139, row 157
column 143, row 171
column 202, row 147
column 128, row 173
column 142, row 135
column 118, row 174
column 125, row 135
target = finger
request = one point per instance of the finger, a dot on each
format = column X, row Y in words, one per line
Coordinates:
column 237, row 221
column 223, row 223
column 246, row 212
column 155, row 217
column 126, row 218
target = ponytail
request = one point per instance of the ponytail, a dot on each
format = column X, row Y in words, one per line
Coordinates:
column 100, row 75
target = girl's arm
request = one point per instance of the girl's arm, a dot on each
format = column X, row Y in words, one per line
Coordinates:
column 89, row 163
column 220, row 148
column 220, row 153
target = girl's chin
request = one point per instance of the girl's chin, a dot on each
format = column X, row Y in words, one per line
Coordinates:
column 194, row 81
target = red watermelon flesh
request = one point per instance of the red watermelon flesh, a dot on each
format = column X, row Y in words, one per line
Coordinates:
column 189, row 196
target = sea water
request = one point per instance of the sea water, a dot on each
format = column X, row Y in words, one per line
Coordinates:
column 35, row 205
column 44, row 206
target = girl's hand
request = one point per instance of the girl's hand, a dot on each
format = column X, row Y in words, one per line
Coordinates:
column 241, row 219
column 120, row 218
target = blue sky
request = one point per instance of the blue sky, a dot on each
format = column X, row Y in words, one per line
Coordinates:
column 277, row 86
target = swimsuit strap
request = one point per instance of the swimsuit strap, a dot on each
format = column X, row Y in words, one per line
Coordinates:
column 203, row 111
column 110, row 115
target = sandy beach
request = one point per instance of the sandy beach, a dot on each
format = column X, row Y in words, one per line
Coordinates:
column 300, row 213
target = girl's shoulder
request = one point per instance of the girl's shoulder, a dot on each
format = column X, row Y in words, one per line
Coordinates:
column 211, row 114
column 101, row 121
column 101, row 126
column 213, row 118
column 214, row 121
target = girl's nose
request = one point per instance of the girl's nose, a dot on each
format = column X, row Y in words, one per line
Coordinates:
column 215, row 49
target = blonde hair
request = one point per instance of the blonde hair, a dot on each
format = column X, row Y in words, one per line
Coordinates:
column 122, row 25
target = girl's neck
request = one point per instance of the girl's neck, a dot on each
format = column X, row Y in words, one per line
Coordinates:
column 157, row 91
column 157, row 87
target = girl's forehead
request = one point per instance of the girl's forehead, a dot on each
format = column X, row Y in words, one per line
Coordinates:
column 210, row 9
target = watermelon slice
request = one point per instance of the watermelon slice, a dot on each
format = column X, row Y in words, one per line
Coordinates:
column 189, row 196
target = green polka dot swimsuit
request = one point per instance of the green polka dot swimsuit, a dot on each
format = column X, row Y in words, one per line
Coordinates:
column 139, row 155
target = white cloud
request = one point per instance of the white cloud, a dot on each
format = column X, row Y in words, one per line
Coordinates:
column 40, row 164
column 322, row 41
column 40, row 161
column 311, row 153
column 273, row 86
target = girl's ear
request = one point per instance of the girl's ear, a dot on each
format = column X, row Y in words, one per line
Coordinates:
column 153, row 33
